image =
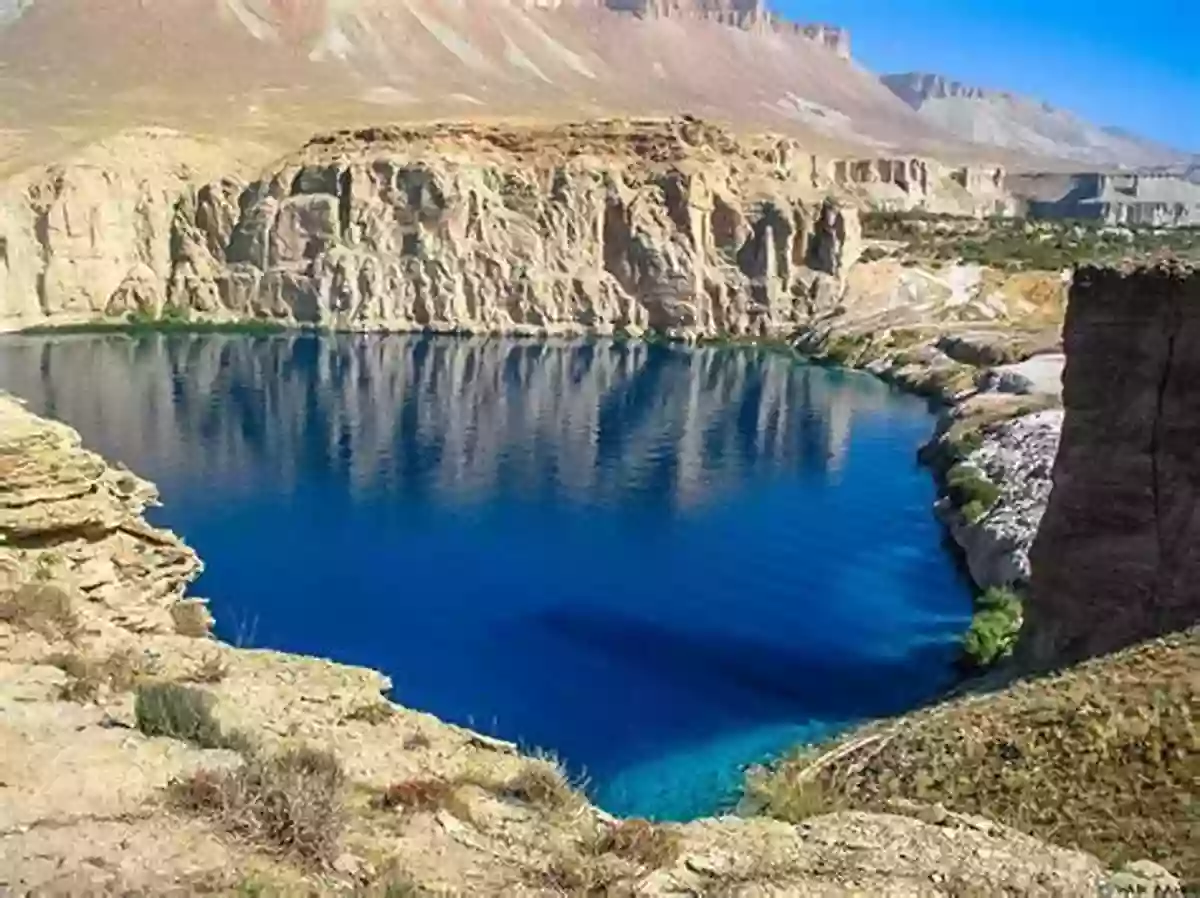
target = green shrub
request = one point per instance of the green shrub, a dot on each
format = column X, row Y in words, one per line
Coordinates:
column 994, row 628
column 968, row 486
column 180, row 712
column 974, row 512
column 843, row 349
column 964, row 443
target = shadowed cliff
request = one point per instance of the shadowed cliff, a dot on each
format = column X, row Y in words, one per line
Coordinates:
column 1117, row 559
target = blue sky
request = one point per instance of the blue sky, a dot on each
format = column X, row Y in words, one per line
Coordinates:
column 1131, row 64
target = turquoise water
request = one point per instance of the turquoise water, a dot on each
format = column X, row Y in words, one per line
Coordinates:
column 660, row 563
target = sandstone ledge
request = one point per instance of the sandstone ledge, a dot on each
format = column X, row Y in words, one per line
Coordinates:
column 83, row 807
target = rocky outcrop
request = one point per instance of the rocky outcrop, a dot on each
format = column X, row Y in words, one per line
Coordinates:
column 1116, row 560
column 674, row 226
column 907, row 184
column 68, row 518
column 1015, row 455
column 915, row 88
column 749, row 15
column 92, row 237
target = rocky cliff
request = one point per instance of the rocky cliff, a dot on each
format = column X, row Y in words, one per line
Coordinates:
column 1116, row 559
column 675, row 226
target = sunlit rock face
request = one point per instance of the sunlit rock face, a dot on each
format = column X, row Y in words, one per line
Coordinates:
column 674, row 226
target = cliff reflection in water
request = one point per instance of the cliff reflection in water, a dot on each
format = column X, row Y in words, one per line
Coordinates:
column 457, row 417
column 663, row 563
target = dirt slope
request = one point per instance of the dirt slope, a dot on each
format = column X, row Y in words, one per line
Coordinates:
column 226, row 65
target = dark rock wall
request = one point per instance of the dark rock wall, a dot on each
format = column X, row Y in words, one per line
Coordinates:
column 1117, row 559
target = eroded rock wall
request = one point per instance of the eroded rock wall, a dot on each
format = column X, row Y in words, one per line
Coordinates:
column 672, row 226
column 1117, row 558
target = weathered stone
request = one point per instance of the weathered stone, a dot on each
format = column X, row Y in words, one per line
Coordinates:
column 1117, row 558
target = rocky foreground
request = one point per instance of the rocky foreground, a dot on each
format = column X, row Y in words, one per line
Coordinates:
column 94, row 619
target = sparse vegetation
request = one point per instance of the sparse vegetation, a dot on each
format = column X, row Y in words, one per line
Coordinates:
column 43, row 609
column 967, row 486
column 843, row 349
column 179, row 712
column 1016, row 244
column 1103, row 757
column 994, row 629
column 374, row 713
column 86, row 677
column 574, row 874
column 417, row 741
column 417, row 795
column 47, row 566
column 640, row 842
column 542, row 783
column 212, row 669
column 292, row 801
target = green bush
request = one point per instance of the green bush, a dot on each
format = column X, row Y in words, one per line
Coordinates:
column 968, row 486
column 180, row 712
column 964, row 443
column 994, row 628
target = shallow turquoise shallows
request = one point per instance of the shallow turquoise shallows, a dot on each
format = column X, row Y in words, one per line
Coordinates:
column 660, row 563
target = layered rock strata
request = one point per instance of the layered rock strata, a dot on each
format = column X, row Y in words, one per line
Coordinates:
column 68, row 518
column 1117, row 559
column 673, row 226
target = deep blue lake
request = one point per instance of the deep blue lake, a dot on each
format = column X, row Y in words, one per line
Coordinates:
column 660, row 563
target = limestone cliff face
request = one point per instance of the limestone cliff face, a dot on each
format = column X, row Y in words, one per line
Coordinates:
column 672, row 226
column 1117, row 559
column 92, row 236
column 69, row 518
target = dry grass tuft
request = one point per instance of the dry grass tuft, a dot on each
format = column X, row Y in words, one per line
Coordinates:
column 211, row 670
column 292, row 802
column 374, row 713
column 576, row 875
column 43, row 609
column 417, row 795
column 417, row 741
column 1103, row 757
column 86, row 678
column 543, row 784
column 641, row 842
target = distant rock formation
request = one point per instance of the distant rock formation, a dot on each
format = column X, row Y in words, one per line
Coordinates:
column 1160, row 199
column 1117, row 558
column 1003, row 120
column 905, row 184
column 917, row 88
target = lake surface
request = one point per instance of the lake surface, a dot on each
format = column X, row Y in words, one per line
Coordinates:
column 660, row 563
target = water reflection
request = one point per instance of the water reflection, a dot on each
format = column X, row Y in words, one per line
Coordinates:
column 458, row 418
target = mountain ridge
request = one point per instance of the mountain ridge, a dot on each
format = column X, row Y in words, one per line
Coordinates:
column 1007, row 120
